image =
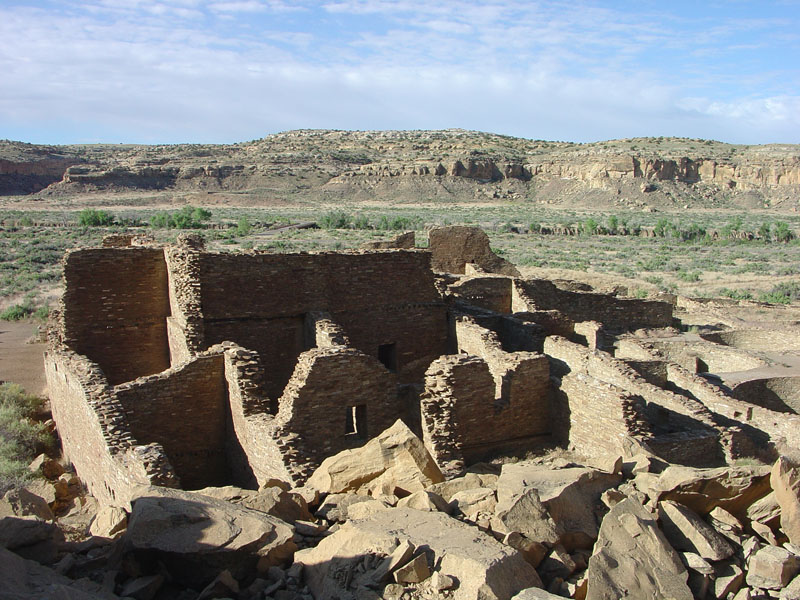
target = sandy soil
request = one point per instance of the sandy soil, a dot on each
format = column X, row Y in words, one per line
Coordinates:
column 21, row 362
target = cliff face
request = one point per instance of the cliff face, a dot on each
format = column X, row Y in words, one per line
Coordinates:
column 416, row 165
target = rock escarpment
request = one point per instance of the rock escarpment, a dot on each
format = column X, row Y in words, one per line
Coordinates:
column 423, row 165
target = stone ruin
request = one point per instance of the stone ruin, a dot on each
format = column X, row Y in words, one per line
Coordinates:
column 184, row 368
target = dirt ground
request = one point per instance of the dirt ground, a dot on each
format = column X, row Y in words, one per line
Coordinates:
column 22, row 362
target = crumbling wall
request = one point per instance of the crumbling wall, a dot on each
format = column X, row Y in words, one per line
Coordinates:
column 482, row 419
column 781, row 394
column 94, row 432
column 614, row 313
column 336, row 399
column 703, row 357
column 115, row 306
column 598, row 418
column 185, row 410
column 394, row 290
column 667, row 412
column 490, row 293
column 454, row 246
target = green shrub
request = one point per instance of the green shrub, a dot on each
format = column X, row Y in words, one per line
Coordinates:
column 186, row 218
column 688, row 276
column 735, row 294
column 21, row 438
column 782, row 233
column 336, row 219
column 612, row 223
column 589, row 226
column 243, row 227
column 17, row 312
column 90, row 217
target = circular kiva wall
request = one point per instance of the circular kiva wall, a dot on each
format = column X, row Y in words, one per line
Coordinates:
column 781, row 394
column 757, row 339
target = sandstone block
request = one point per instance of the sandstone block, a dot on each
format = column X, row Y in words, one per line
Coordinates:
column 632, row 558
column 686, row 531
column 396, row 458
column 110, row 522
column 772, row 568
column 415, row 571
column 785, row 481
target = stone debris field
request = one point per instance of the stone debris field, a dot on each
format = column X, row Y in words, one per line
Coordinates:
column 403, row 423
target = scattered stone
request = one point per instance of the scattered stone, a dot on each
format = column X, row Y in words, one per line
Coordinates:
column 21, row 502
column 791, row 591
column 687, row 531
column 471, row 502
column 764, row 532
column 536, row 594
column 110, row 522
column 143, row 588
column 557, row 564
column 785, row 481
column 633, row 559
column 697, row 563
column 224, row 586
column 729, row 577
column 396, row 458
column 765, row 510
column 470, row 481
column 399, row 556
column 192, row 532
column 732, row 488
column 415, row 571
column 569, row 495
column 46, row 466
column 533, row 551
column 441, row 582
column 481, row 566
column 772, row 568
column 527, row 515
column 273, row 500
column 425, row 500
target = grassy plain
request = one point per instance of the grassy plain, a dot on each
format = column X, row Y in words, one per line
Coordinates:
column 33, row 242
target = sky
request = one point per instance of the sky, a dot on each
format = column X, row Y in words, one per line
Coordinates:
column 224, row 71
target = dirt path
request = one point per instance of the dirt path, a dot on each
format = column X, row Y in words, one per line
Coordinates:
column 21, row 362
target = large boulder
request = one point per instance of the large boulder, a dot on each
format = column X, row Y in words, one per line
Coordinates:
column 732, row 488
column 481, row 567
column 197, row 536
column 569, row 495
column 785, row 481
column 395, row 462
column 286, row 506
column 22, row 579
column 687, row 531
column 632, row 559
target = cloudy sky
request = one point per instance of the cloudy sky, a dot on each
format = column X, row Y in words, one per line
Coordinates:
column 164, row 71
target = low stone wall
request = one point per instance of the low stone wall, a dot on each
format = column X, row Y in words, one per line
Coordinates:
column 781, row 394
column 490, row 293
column 597, row 418
column 614, row 313
column 94, row 432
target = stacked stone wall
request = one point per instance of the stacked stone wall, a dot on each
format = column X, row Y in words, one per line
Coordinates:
column 490, row 293
column 781, row 394
column 185, row 410
column 597, row 418
column 115, row 306
column 94, row 432
column 612, row 312
column 337, row 398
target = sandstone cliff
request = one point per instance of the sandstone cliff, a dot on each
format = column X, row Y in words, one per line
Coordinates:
column 424, row 165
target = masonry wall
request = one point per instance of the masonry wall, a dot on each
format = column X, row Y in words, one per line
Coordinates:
column 330, row 388
column 94, row 433
column 377, row 298
column 185, row 409
column 781, row 394
column 597, row 418
column 612, row 312
column 490, row 293
column 115, row 306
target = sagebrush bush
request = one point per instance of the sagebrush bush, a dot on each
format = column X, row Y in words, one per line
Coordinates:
column 21, row 437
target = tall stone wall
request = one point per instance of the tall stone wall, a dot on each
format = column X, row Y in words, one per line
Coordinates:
column 463, row 418
column 115, row 306
column 454, row 246
column 185, row 409
column 337, row 398
column 614, row 313
column 378, row 298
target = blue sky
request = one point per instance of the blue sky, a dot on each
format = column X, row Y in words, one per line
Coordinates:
column 168, row 71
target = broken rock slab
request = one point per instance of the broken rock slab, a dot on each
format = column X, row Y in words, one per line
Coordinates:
column 785, row 481
column 632, row 559
column 732, row 488
column 569, row 494
column 196, row 536
column 481, row 567
column 686, row 531
column 772, row 568
column 395, row 462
